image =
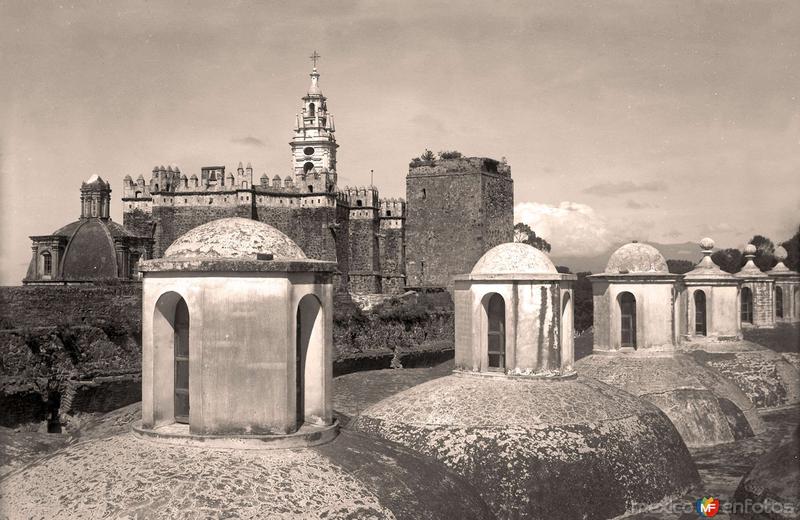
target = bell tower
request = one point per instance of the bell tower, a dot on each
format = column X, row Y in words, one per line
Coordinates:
column 314, row 144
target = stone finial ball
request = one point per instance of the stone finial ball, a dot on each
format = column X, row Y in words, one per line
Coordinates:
column 707, row 243
column 750, row 249
column 780, row 253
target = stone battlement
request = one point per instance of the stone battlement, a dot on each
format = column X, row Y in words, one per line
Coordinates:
column 459, row 166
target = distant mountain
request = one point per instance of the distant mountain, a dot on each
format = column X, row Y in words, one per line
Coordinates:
column 597, row 264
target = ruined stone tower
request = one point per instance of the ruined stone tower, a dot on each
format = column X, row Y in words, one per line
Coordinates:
column 457, row 210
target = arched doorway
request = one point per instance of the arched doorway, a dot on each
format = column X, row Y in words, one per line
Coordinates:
column 496, row 327
column 747, row 305
column 627, row 309
column 181, row 349
column 778, row 302
column 309, row 362
column 797, row 302
column 700, row 313
column 567, row 330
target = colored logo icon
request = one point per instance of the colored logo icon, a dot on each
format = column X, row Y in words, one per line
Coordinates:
column 707, row 506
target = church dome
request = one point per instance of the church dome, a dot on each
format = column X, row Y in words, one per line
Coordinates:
column 235, row 237
column 514, row 258
column 90, row 252
column 636, row 257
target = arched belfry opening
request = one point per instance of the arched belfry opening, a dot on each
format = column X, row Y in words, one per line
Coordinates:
column 312, row 110
column 181, row 348
column 627, row 311
column 747, row 305
column 496, row 331
column 700, row 328
column 309, row 361
column 307, row 167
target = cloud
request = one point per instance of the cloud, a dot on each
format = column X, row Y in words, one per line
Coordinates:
column 249, row 141
column 573, row 229
column 610, row 189
column 635, row 204
column 720, row 227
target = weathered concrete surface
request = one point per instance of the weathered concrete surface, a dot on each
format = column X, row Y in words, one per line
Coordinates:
column 531, row 446
column 766, row 377
column 351, row 477
column 704, row 407
column 774, row 482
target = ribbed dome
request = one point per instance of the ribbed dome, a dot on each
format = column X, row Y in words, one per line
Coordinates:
column 636, row 258
column 234, row 238
column 514, row 258
column 90, row 252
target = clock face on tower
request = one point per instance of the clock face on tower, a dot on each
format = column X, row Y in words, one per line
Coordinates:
column 308, row 150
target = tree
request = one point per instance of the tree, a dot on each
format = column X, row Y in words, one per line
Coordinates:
column 792, row 247
column 679, row 266
column 729, row 260
column 449, row 154
column 523, row 233
column 563, row 269
column 427, row 156
column 765, row 252
column 584, row 305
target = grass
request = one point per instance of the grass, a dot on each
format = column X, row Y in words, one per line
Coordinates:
column 784, row 337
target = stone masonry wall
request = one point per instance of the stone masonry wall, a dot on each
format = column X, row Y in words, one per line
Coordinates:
column 391, row 251
column 173, row 221
column 437, row 247
column 139, row 222
column 310, row 228
column 498, row 211
column 763, row 303
column 455, row 212
column 364, row 261
column 43, row 306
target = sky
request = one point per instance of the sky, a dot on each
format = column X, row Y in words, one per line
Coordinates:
column 661, row 121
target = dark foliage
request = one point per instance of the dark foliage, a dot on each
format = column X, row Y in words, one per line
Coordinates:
column 563, row 269
column 765, row 252
column 729, row 260
column 792, row 247
column 450, row 154
column 584, row 306
column 523, row 233
column 679, row 266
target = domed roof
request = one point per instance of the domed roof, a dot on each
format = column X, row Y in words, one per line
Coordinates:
column 234, row 237
column 90, row 253
column 636, row 257
column 509, row 436
column 353, row 476
column 514, row 258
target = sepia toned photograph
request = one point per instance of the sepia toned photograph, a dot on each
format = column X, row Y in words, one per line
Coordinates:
column 381, row 259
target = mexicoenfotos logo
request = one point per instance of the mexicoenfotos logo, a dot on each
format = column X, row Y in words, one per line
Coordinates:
column 707, row 506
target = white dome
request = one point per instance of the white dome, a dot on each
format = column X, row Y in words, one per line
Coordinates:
column 234, row 238
column 514, row 258
column 637, row 258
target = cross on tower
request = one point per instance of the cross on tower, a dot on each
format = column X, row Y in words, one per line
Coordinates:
column 314, row 57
